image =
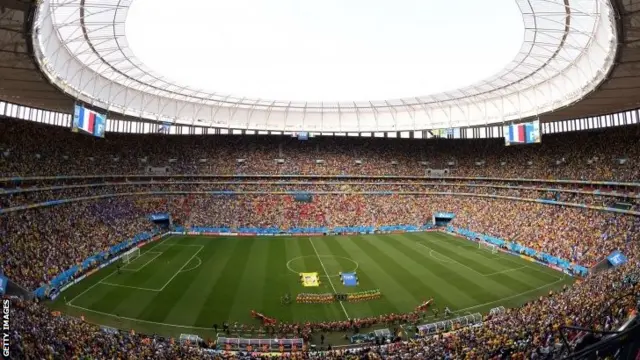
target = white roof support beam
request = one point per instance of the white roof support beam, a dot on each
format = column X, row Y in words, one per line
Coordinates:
column 567, row 52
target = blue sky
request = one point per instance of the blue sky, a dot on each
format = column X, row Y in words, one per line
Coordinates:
column 325, row 50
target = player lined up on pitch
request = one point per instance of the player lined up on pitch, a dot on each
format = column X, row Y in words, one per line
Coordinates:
column 307, row 298
column 364, row 295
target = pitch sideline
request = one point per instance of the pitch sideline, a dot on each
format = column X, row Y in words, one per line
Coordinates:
column 204, row 328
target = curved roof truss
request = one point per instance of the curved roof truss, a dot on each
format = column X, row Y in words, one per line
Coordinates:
column 567, row 50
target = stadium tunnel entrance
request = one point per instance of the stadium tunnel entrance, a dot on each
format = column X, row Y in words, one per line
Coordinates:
column 162, row 220
column 443, row 218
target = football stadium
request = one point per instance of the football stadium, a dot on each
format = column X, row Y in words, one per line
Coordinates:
column 320, row 180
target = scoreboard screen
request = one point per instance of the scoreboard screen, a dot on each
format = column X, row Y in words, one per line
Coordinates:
column 526, row 133
column 88, row 121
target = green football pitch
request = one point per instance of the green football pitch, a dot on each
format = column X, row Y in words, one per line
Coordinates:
column 185, row 284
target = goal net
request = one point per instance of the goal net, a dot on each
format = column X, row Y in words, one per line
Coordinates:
column 488, row 247
column 130, row 255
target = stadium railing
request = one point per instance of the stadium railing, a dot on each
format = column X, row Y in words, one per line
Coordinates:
column 623, row 345
column 613, row 193
column 406, row 193
column 264, row 345
column 329, row 177
column 448, row 325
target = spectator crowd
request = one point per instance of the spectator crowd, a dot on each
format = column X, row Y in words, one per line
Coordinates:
column 601, row 302
column 28, row 149
column 37, row 244
column 40, row 243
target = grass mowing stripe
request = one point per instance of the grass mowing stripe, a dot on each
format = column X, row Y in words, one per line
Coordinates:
column 210, row 293
column 251, row 288
column 460, row 255
column 367, row 279
column 453, row 288
column 142, row 287
column 173, row 286
column 472, row 251
column 329, row 278
column 507, row 283
column 141, row 261
column 311, row 263
column 301, row 259
column 218, row 299
column 414, row 274
column 545, row 273
column 89, row 288
column 214, row 257
column 465, row 279
column 150, row 278
column 181, row 268
column 117, row 300
column 529, row 275
column 390, row 284
column 278, row 281
column 502, row 284
column 77, row 291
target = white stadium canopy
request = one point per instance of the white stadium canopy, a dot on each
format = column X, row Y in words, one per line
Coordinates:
column 567, row 50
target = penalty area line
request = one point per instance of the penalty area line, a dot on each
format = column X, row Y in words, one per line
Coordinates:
column 101, row 281
column 89, row 288
column 559, row 279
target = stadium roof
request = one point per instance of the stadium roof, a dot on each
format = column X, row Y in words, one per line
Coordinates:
column 327, row 50
column 567, row 53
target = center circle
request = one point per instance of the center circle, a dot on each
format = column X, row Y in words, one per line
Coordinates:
column 331, row 265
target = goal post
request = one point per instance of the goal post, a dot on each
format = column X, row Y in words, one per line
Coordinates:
column 130, row 255
column 488, row 247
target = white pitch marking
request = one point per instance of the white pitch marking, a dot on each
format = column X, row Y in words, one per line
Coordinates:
column 195, row 267
column 91, row 287
column 167, row 283
column 145, row 264
column 179, row 270
column 559, row 279
column 113, row 273
column 138, row 320
column 128, row 286
column 461, row 264
column 330, row 282
column 203, row 328
column 435, row 257
column 332, row 256
column 506, row 271
column 457, row 262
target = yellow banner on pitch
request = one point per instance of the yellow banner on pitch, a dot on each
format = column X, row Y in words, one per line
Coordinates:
column 310, row 279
